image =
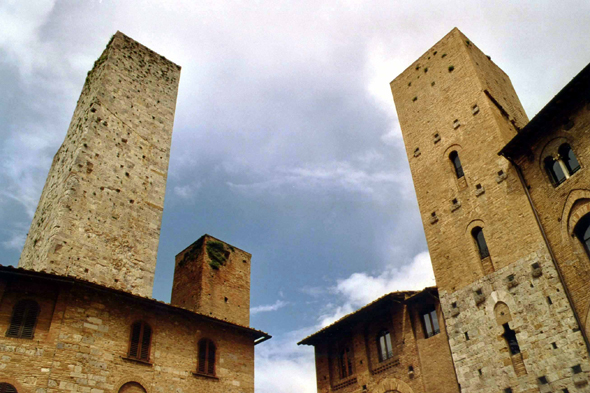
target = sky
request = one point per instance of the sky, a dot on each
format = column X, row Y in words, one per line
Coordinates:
column 286, row 142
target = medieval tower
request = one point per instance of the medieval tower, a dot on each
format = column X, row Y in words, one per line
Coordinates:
column 507, row 308
column 77, row 315
column 101, row 208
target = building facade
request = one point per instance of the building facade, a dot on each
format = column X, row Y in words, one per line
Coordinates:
column 506, row 221
column 77, row 312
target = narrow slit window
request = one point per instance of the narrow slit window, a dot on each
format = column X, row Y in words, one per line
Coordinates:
column 206, row 361
column 140, row 341
column 23, row 320
column 510, row 337
column 384, row 344
column 454, row 157
column 345, row 360
column 482, row 246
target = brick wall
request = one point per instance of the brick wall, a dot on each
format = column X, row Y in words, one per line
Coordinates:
column 217, row 287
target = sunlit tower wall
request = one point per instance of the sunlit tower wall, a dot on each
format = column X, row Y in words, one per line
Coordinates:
column 503, row 301
column 100, row 212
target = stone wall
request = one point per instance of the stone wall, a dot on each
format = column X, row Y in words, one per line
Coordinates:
column 213, row 278
column 100, row 211
column 560, row 207
column 441, row 111
column 548, row 336
column 82, row 338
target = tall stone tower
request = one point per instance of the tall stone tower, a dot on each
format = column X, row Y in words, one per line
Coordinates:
column 212, row 277
column 101, row 208
column 504, row 304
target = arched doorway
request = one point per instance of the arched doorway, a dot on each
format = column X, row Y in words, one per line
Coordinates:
column 132, row 387
column 392, row 385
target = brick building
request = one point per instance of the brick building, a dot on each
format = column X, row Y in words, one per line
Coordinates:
column 77, row 312
column 507, row 225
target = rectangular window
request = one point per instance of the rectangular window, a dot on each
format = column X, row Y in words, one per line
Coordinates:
column 345, row 360
column 430, row 320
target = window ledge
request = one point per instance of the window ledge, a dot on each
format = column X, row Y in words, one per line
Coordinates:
column 202, row 375
column 386, row 365
column 345, row 383
column 139, row 361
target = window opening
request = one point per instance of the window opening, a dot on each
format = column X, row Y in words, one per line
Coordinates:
column 384, row 344
column 508, row 390
column 345, row 362
column 569, row 158
column 543, row 380
column 582, row 232
column 553, row 168
column 23, row 320
column 206, row 363
column 549, row 301
column 7, row 388
column 140, row 342
column 577, row 369
column 454, row 157
column 554, row 345
column 430, row 319
column 482, row 246
column 466, row 336
column 510, row 337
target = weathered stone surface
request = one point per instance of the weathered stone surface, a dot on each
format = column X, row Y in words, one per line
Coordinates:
column 100, row 211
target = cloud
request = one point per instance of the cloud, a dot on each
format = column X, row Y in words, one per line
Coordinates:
column 360, row 289
column 269, row 307
column 282, row 358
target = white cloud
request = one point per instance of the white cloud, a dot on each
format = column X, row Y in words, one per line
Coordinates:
column 187, row 191
column 269, row 307
column 361, row 288
column 282, row 358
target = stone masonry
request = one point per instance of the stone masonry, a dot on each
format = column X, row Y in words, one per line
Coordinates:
column 101, row 208
column 455, row 101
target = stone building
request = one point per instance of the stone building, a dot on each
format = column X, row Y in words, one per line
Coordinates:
column 77, row 312
column 506, row 221
column 395, row 343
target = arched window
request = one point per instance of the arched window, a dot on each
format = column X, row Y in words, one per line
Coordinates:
column 566, row 154
column 24, row 319
column 555, row 171
column 7, row 388
column 140, row 341
column 454, row 157
column 206, row 357
column 582, row 231
column 384, row 345
column 482, row 247
column 345, row 362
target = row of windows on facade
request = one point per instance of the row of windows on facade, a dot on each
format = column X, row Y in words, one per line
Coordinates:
column 24, row 320
column 581, row 230
column 384, row 345
column 559, row 167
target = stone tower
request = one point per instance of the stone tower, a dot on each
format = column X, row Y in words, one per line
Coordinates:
column 212, row 277
column 101, row 208
column 501, row 294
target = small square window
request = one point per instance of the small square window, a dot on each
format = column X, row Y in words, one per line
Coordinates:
column 430, row 319
column 535, row 265
column 577, row 369
column 479, row 292
column 510, row 277
column 454, row 304
column 508, row 390
column 554, row 345
column 543, row 380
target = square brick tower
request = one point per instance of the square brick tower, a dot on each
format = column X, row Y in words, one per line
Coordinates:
column 101, row 208
column 212, row 277
column 504, row 304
